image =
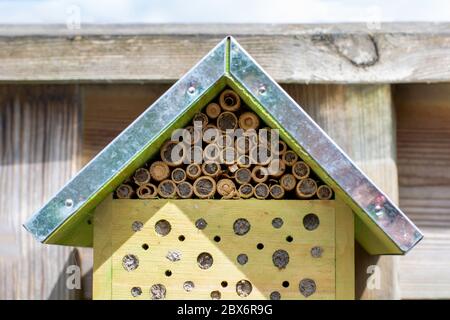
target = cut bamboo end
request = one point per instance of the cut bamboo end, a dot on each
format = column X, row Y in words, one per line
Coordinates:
column 200, row 117
column 261, row 155
column 228, row 156
column 211, row 152
column 261, row 191
column 147, row 191
column 280, row 149
column 167, row 189
column 229, row 100
column 193, row 171
column 211, row 134
column 227, row 121
column 248, row 120
column 141, row 176
column 306, row 188
column 260, row 174
column 211, row 168
column 288, row 182
column 265, row 136
column 276, row 191
column 159, row 171
column 195, row 154
column 204, row 187
column 243, row 145
column 213, row 110
column 226, row 187
column 243, row 176
column 178, row 175
column 185, row 190
column 173, row 153
column 191, row 136
column 324, row 192
column 224, row 141
column 276, row 168
column 243, row 161
column 124, row 191
column 289, row 158
column 246, row 191
column 300, row 170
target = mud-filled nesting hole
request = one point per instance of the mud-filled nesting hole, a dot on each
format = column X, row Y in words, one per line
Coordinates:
column 163, row 227
column 241, row 226
column 205, row 260
column 311, row 222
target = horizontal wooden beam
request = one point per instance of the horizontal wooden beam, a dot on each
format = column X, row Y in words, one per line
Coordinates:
column 341, row 53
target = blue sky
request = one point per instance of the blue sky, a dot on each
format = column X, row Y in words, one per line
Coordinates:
column 215, row 11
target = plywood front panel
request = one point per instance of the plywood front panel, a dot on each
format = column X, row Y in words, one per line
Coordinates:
column 155, row 268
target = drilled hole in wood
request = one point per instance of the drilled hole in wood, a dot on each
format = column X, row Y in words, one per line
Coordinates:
column 136, row 291
column 242, row 259
column 289, row 239
column 89, row 222
column 280, row 258
column 260, row 246
column 216, row 295
column 241, row 226
column 285, row 284
column 204, row 260
column 201, row 224
column 163, row 227
column 158, row 291
column 168, row 273
column 188, row 286
column 307, row 287
column 316, row 252
column 224, row 284
column 137, row 226
column 275, row 295
column 130, row 262
column 145, row 246
column 277, row 223
column 217, row 239
column 181, row 238
column 243, row 288
column 311, row 222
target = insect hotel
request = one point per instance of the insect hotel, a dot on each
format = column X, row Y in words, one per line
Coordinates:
column 224, row 188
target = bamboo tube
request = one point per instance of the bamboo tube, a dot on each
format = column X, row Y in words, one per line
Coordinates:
column 224, row 141
column 195, row 155
column 213, row 110
column 159, row 171
column 243, row 161
column 233, row 168
column 243, row 145
column 300, row 170
column 185, row 190
column 141, row 176
column 246, row 191
column 193, row 136
column 248, row 120
column 243, row 176
column 211, row 152
column 265, row 136
column 178, row 175
column 261, row 191
column 281, row 149
column 167, row 189
column 204, row 187
column 173, row 153
column 261, row 155
column 276, row 168
column 211, row 134
column 193, row 171
column 211, row 168
column 288, row 182
column 228, row 156
column 227, row 121
column 324, row 192
column 124, row 191
column 260, row 174
column 306, row 188
column 276, row 191
column 147, row 191
column 289, row 158
column 229, row 100
column 226, row 187
column 203, row 118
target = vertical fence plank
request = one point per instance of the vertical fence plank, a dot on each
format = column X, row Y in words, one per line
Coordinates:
column 39, row 151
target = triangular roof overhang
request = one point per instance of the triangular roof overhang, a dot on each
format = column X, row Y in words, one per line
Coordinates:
column 381, row 227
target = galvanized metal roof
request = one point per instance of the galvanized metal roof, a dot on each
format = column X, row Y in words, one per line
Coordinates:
column 382, row 228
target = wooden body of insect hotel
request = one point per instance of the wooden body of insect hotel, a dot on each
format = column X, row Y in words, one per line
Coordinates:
column 222, row 216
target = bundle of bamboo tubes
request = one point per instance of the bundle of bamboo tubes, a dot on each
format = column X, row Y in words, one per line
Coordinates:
column 214, row 164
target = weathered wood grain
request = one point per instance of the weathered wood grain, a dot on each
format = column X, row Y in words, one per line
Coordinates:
column 345, row 53
column 423, row 144
column 39, row 151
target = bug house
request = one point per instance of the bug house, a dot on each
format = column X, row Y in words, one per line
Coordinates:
column 224, row 188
